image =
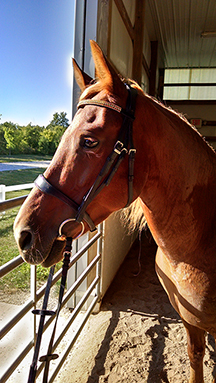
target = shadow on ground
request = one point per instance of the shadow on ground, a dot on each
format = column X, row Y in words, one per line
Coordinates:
column 138, row 293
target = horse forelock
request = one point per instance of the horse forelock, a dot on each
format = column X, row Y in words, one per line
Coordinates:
column 91, row 90
column 97, row 86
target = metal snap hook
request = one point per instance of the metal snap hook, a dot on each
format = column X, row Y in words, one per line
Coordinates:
column 62, row 237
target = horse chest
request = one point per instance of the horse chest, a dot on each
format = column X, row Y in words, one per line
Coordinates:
column 191, row 291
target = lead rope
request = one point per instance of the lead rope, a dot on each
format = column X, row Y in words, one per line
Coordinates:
column 49, row 356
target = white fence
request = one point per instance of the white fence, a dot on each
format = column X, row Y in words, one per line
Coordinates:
column 8, row 204
column 4, row 189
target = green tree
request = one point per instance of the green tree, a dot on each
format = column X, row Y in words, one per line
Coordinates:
column 12, row 135
column 52, row 134
column 46, row 142
column 59, row 119
column 33, row 139
column 30, row 138
column 3, row 143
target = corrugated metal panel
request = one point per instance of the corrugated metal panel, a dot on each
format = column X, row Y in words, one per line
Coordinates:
column 177, row 25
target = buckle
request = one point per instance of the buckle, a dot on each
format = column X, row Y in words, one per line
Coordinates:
column 118, row 147
column 132, row 152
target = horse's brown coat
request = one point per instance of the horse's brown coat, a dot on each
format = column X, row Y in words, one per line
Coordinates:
column 175, row 180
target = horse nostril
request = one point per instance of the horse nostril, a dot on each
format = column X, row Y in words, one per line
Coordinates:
column 25, row 240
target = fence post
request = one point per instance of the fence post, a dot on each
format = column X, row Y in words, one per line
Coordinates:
column 2, row 194
column 33, row 289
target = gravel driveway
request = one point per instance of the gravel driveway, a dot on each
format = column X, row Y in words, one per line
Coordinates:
column 6, row 166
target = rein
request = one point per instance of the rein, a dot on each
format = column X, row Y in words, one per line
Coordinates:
column 44, row 312
column 124, row 145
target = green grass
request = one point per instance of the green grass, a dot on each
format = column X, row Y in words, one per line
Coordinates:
column 18, row 177
column 18, row 278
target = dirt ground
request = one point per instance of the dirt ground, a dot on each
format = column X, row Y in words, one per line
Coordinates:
column 137, row 336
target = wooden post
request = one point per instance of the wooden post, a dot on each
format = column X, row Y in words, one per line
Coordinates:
column 161, row 83
column 138, row 40
column 103, row 25
column 153, row 68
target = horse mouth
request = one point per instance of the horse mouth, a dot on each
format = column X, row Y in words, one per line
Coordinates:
column 50, row 251
column 34, row 256
column 55, row 255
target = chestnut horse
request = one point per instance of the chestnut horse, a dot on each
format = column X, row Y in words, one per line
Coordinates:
column 174, row 179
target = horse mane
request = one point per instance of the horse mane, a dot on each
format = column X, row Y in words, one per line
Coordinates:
column 133, row 217
column 178, row 117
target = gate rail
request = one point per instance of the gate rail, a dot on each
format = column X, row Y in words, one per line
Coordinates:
column 13, row 202
column 92, row 290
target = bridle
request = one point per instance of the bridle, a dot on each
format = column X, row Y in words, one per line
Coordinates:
column 124, row 145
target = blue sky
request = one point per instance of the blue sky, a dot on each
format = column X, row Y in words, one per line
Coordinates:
column 36, row 46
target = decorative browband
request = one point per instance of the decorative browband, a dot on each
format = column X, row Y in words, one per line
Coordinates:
column 105, row 104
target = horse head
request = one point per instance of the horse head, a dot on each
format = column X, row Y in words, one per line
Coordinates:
column 92, row 154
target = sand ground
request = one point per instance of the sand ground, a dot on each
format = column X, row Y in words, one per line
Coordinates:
column 137, row 336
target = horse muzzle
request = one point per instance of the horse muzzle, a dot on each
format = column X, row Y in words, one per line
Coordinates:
column 36, row 249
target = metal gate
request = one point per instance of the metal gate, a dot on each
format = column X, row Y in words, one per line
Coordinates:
column 90, row 295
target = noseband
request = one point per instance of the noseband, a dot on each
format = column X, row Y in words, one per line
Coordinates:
column 124, row 145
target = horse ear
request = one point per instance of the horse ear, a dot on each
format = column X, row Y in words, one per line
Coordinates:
column 82, row 78
column 105, row 72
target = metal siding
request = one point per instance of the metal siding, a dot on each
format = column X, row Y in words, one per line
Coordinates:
column 177, row 25
column 84, row 30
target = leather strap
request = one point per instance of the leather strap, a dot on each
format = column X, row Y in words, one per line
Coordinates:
column 50, row 356
column 123, row 145
column 44, row 312
column 42, row 184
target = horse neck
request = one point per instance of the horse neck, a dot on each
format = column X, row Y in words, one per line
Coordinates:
column 180, row 184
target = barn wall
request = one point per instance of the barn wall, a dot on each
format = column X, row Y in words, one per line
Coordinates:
column 119, row 28
column 117, row 243
column 121, row 47
column 124, row 38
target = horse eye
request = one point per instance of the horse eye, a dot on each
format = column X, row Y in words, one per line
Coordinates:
column 90, row 143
